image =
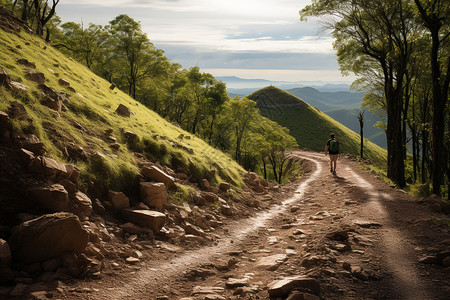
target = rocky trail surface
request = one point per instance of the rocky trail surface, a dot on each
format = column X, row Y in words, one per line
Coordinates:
column 344, row 236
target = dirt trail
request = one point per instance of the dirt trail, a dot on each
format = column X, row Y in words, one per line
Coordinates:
column 388, row 233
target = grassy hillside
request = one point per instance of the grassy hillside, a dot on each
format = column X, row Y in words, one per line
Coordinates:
column 91, row 111
column 310, row 126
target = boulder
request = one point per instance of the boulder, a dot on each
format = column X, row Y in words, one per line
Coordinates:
column 17, row 110
column 118, row 200
column 271, row 262
column 112, row 86
column 154, row 194
column 49, row 92
column 98, row 207
column 5, row 253
column 156, row 174
column 194, row 230
column 56, row 105
column 26, row 63
column 147, row 218
column 30, row 142
column 123, row 110
column 224, row 186
column 48, row 237
column 76, row 152
column 5, row 80
column 204, row 184
column 26, row 156
column 135, row 229
column 53, row 197
column 282, row 288
column 70, row 187
column 130, row 135
column 37, row 77
column 63, row 82
column 80, row 205
column 48, row 167
column 18, row 87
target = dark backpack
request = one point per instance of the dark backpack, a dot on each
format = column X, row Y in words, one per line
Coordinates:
column 334, row 146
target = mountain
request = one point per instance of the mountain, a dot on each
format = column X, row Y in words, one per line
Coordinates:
column 243, row 86
column 310, row 126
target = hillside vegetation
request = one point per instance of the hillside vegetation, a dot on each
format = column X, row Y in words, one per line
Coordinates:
column 91, row 107
column 311, row 127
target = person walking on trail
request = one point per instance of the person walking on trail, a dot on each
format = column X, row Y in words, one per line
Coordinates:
column 332, row 149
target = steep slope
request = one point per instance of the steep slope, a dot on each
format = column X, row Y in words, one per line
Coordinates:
column 308, row 125
column 89, row 111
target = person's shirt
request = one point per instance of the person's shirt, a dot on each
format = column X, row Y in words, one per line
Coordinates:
column 329, row 148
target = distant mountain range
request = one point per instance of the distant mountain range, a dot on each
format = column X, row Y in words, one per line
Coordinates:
column 336, row 100
column 241, row 86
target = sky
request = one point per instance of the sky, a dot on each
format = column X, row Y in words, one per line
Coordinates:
column 253, row 39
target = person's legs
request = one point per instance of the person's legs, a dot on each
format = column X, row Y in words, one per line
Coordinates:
column 333, row 160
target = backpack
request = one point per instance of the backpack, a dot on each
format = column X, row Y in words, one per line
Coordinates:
column 334, row 146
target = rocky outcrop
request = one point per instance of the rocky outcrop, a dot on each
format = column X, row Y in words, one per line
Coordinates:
column 123, row 110
column 146, row 218
column 30, row 142
column 156, row 174
column 47, row 237
column 80, row 205
column 53, row 197
column 118, row 200
column 154, row 194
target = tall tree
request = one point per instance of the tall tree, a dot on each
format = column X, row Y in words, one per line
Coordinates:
column 374, row 32
column 435, row 15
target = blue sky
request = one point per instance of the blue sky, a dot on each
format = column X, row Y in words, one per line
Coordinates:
column 261, row 39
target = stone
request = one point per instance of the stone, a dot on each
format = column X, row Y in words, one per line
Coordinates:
column 271, row 262
column 48, row 237
column 76, row 152
column 37, row 77
column 70, row 187
column 48, row 167
column 199, row 200
column 181, row 176
column 428, row 259
column 226, row 210
column 63, row 82
column 204, row 184
column 210, row 197
column 5, row 253
column 341, row 235
column 310, row 261
column 195, row 230
column 49, row 92
column 123, row 110
column 283, row 287
column 53, row 197
column 26, row 63
column 206, row 290
column 153, row 194
column 17, row 110
column 235, row 282
column 132, row 260
column 98, row 207
column 112, row 86
column 56, row 105
column 5, row 80
column 135, row 229
column 357, row 272
column 130, row 135
column 80, row 204
column 366, row 224
column 118, row 200
column 18, row 87
column 224, row 186
column 156, row 174
column 26, row 156
column 111, row 139
column 296, row 295
column 147, row 218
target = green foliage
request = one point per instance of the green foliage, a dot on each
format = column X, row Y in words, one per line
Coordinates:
column 181, row 193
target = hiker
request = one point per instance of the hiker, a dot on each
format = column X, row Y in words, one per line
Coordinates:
column 332, row 148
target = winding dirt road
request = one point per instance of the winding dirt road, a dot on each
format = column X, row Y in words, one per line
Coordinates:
column 388, row 232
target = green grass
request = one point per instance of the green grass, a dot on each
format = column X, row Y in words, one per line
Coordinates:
column 93, row 106
column 311, row 127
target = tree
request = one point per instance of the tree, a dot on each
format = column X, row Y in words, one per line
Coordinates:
column 132, row 47
column 435, row 15
column 374, row 34
column 360, row 118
